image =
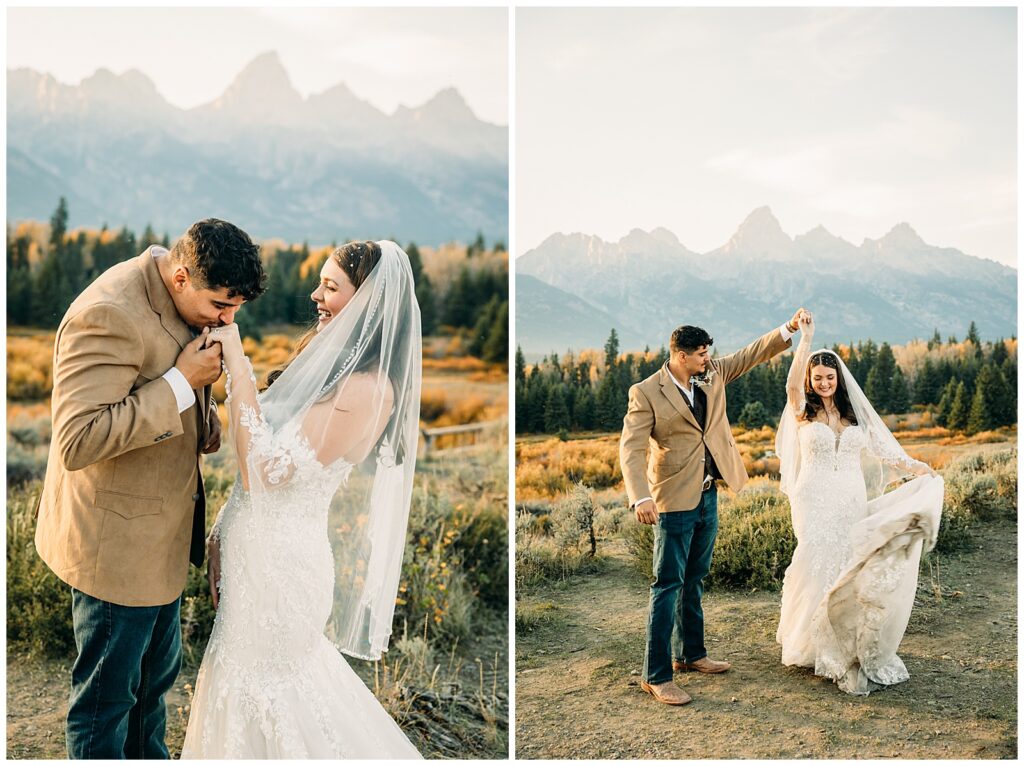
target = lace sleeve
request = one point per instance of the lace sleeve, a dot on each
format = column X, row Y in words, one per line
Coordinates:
column 894, row 455
column 795, row 379
column 268, row 457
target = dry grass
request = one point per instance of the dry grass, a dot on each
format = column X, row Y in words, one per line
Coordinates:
column 546, row 469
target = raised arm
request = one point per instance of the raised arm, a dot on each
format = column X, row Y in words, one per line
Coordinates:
column 798, row 369
column 761, row 350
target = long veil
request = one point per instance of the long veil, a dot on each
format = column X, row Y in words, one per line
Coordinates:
column 365, row 364
column 885, row 463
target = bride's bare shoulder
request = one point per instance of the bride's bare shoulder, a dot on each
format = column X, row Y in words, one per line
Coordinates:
column 364, row 385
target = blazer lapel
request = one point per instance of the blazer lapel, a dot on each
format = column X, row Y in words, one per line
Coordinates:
column 675, row 397
column 161, row 301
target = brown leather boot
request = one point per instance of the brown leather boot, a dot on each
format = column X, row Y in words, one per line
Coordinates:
column 703, row 665
column 668, row 693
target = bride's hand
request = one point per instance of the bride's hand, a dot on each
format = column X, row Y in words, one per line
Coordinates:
column 805, row 321
column 230, row 342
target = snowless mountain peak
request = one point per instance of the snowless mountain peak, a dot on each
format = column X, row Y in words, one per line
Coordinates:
column 760, row 233
column 902, row 235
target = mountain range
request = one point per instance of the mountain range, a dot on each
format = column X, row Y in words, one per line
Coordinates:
column 321, row 168
column 573, row 288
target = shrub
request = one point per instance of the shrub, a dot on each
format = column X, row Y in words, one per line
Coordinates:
column 38, row 603
column 755, row 539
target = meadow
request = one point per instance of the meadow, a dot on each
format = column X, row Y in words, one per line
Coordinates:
column 445, row 678
column 582, row 568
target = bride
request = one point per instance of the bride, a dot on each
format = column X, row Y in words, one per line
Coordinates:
column 310, row 540
column 847, row 595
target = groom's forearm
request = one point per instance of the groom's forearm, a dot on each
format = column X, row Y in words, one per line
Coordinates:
column 96, row 413
column 761, row 350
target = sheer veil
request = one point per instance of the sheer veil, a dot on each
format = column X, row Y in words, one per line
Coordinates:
column 363, row 369
column 886, row 461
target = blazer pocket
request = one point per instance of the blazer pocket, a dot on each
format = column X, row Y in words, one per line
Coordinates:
column 664, row 470
column 128, row 506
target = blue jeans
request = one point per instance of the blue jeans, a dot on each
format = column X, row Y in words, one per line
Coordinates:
column 128, row 658
column 683, row 541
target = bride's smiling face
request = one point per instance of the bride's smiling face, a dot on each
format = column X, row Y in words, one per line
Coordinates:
column 333, row 293
column 823, row 380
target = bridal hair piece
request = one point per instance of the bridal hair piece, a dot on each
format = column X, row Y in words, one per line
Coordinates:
column 886, row 463
column 363, row 368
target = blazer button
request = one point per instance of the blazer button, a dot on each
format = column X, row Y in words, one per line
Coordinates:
column 195, row 498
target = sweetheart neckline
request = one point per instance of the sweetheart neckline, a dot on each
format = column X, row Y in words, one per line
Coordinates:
column 838, row 437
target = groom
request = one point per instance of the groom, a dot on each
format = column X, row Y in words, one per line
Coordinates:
column 122, row 510
column 678, row 415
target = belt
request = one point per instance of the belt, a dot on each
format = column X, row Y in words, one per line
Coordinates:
column 708, row 483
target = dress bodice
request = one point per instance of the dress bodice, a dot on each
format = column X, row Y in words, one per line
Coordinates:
column 821, row 449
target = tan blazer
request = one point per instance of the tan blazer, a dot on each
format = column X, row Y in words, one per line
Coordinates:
column 122, row 505
column 660, row 422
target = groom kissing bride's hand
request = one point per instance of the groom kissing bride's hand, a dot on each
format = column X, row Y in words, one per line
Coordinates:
column 682, row 410
column 123, row 509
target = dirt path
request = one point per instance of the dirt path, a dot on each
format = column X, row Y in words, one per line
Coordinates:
column 578, row 693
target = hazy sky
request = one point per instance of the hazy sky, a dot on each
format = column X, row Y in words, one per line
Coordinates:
column 387, row 56
column 689, row 119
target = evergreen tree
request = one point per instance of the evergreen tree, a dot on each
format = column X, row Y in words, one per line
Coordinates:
column 878, row 387
column 520, row 365
column 476, row 246
column 899, row 396
column 496, row 348
column 928, row 386
column 59, row 225
column 585, row 410
column 611, row 351
column 959, row 409
column 148, row 238
column 945, row 403
column 483, row 327
column 754, row 415
column 521, row 410
column 973, row 337
column 935, row 341
column 1008, row 370
column 999, row 353
column 461, row 300
column 986, row 403
column 536, row 398
column 556, row 412
column 610, row 409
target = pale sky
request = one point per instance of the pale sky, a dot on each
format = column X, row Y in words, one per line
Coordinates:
column 855, row 119
column 387, row 56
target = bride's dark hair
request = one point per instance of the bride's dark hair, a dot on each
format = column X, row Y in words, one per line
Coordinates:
column 357, row 260
column 813, row 403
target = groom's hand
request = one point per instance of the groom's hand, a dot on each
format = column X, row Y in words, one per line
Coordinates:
column 213, row 568
column 213, row 443
column 199, row 365
column 647, row 512
column 794, row 324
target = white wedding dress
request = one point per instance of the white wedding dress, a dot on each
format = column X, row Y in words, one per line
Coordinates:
column 271, row 684
column 847, row 594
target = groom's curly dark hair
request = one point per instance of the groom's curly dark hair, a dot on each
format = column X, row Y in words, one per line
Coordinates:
column 689, row 338
column 219, row 254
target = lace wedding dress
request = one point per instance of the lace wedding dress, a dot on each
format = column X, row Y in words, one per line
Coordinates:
column 848, row 592
column 310, row 544
column 271, row 684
